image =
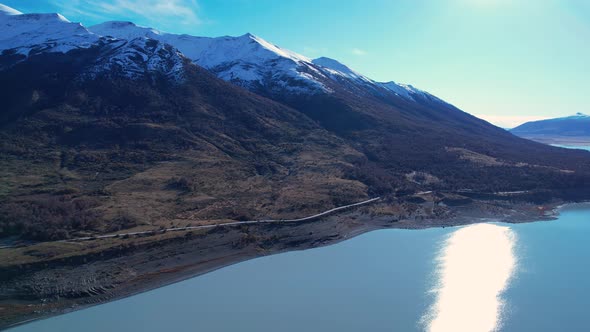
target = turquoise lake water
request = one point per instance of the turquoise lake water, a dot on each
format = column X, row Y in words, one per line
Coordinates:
column 526, row 277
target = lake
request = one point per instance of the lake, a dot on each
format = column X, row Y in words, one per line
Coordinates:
column 525, row 277
column 577, row 147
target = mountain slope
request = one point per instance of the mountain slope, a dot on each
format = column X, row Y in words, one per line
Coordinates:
column 157, row 150
column 329, row 92
column 129, row 129
column 110, row 137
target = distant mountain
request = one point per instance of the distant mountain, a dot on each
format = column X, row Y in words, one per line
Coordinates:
column 576, row 125
column 117, row 125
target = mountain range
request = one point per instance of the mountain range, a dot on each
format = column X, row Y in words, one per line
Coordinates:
column 118, row 126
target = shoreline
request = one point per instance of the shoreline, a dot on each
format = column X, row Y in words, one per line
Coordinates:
column 559, row 140
column 194, row 263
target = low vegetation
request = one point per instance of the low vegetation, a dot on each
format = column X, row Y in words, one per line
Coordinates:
column 49, row 217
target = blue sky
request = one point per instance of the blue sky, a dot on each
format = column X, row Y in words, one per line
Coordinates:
column 507, row 61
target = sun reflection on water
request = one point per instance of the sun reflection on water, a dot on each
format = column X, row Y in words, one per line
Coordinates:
column 474, row 267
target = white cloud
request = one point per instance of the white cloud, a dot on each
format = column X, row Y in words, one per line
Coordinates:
column 156, row 11
column 358, row 51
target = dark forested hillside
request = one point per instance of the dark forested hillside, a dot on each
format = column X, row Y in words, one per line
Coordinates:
column 121, row 152
column 399, row 136
column 101, row 154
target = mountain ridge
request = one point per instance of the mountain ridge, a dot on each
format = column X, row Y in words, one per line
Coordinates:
column 243, row 60
column 198, row 49
column 574, row 125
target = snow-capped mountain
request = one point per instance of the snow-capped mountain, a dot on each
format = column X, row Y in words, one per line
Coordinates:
column 248, row 61
column 256, row 64
column 28, row 34
column 341, row 72
column 401, row 90
column 347, row 77
column 136, row 57
column 337, row 69
column 25, row 35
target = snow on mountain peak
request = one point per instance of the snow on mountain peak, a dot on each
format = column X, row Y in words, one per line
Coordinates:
column 5, row 10
column 334, row 64
column 337, row 69
column 402, row 90
column 193, row 47
column 137, row 57
column 251, row 61
column 333, row 67
column 30, row 33
column 277, row 50
column 254, row 63
column 124, row 30
column 247, row 60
